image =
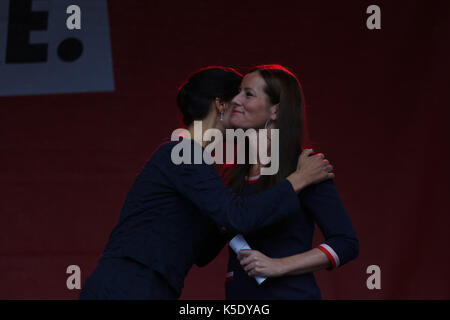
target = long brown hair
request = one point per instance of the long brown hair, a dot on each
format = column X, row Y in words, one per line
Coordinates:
column 283, row 88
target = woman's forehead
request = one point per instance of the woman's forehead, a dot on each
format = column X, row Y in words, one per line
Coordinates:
column 253, row 81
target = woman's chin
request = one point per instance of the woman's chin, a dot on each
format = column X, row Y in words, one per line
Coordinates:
column 236, row 121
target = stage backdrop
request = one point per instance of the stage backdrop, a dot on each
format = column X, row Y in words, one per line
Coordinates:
column 377, row 106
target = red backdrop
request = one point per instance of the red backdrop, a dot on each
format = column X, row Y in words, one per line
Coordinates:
column 377, row 106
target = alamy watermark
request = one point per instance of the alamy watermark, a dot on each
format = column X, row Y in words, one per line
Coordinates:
column 374, row 280
column 74, row 280
column 260, row 150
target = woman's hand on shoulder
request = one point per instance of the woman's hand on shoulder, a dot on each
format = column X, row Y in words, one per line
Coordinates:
column 311, row 169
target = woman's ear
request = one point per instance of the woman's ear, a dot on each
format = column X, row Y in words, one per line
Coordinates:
column 274, row 111
column 220, row 105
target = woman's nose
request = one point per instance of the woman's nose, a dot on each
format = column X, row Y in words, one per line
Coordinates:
column 236, row 101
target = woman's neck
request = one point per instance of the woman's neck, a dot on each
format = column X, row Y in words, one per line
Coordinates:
column 257, row 167
column 197, row 133
column 255, row 170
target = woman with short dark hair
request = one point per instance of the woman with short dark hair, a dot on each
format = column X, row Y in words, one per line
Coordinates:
column 172, row 209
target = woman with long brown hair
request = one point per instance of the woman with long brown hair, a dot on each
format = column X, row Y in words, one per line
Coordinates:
column 172, row 208
column 271, row 97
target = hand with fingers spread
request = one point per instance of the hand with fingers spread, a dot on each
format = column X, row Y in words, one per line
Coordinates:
column 311, row 169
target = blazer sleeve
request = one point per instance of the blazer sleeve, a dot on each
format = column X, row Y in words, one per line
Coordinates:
column 323, row 202
column 201, row 184
column 216, row 239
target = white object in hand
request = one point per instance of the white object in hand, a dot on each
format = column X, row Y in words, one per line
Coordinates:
column 238, row 243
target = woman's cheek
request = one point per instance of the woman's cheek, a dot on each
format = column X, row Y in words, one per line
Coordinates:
column 227, row 119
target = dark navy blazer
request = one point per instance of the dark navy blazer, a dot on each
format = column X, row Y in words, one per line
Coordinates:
column 172, row 210
column 320, row 204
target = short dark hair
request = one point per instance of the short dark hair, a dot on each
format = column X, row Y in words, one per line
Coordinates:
column 203, row 87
